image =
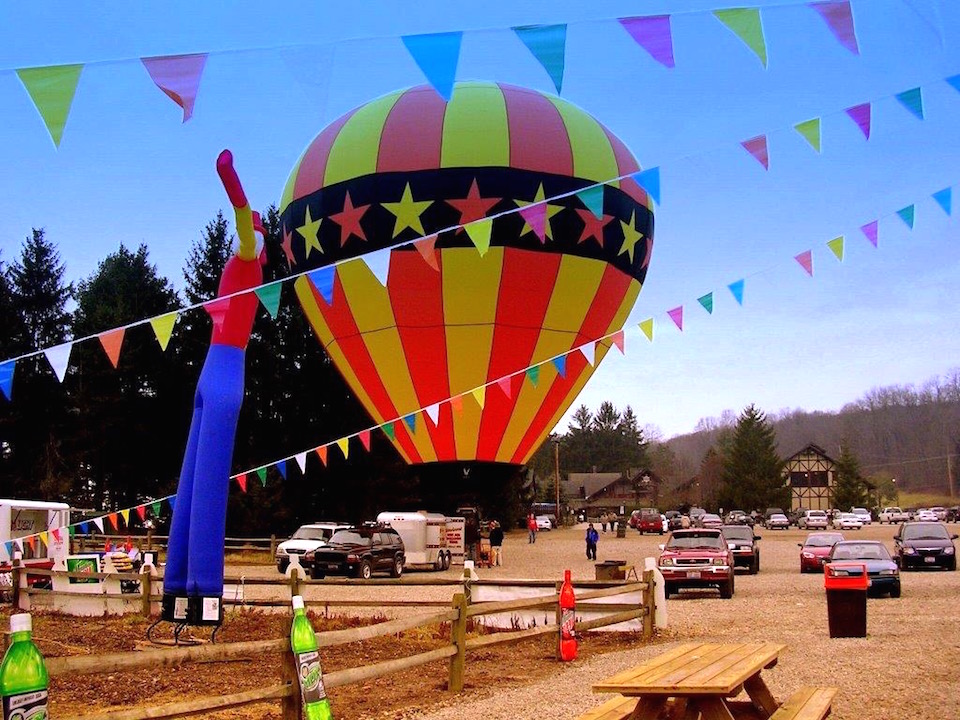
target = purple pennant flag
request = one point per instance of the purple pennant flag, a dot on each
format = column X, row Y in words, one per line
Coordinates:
column 758, row 148
column 806, row 261
column 179, row 78
column 839, row 18
column 677, row 316
column 536, row 217
column 860, row 114
column 870, row 230
column 653, row 35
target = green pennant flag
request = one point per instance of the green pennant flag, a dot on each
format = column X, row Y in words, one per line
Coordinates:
column 156, row 507
column 389, row 431
column 548, row 43
column 647, row 327
column 270, row 297
column 71, row 530
column 592, row 199
column 810, row 129
column 534, row 374
column 746, row 25
column 836, row 245
column 262, row 475
column 52, row 89
column 707, row 302
column 907, row 215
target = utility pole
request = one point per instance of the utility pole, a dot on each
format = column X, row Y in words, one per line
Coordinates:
column 556, row 456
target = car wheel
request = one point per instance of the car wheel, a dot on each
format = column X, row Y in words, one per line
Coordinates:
column 364, row 571
column 755, row 565
column 396, row 570
column 953, row 565
column 726, row 590
column 316, row 574
column 895, row 592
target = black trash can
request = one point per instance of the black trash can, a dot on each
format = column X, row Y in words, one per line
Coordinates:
column 846, row 587
column 621, row 527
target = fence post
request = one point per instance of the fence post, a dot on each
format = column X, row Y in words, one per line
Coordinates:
column 273, row 545
column 557, row 587
column 149, row 539
column 458, row 636
column 290, row 706
column 650, row 603
column 145, row 591
column 467, row 590
column 294, row 582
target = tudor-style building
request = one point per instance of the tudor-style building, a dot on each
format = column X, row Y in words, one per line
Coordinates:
column 811, row 476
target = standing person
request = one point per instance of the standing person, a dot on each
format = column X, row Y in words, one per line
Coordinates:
column 531, row 528
column 592, row 537
column 603, row 520
column 496, row 544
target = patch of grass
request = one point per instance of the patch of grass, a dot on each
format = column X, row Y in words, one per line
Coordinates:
column 926, row 500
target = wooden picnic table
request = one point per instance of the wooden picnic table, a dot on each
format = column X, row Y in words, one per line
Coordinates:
column 701, row 676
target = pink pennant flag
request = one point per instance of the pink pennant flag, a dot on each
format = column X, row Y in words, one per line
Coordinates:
column 506, row 385
column 142, row 512
column 757, row 147
column 536, row 217
column 428, row 251
column 617, row 340
column 839, row 18
column 178, row 76
column 56, row 534
column 806, row 261
column 111, row 342
column 860, row 114
column 364, row 436
column 653, row 35
column 870, row 230
column 242, row 481
column 677, row 316
column 322, row 454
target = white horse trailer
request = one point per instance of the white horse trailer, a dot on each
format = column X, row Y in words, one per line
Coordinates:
column 424, row 537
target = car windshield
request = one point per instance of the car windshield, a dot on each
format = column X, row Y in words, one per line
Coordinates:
column 695, row 541
column 859, row 551
column 931, row 531
column 308, row 533
column 823, row 540
column 737, row 532
column 349, row 537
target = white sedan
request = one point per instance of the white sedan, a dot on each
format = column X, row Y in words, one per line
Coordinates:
column 543, row 522
column 926, row 516
column 847, row 521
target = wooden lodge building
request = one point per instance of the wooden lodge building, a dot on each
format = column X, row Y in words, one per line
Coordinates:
column 811, row 476
column 598, row 492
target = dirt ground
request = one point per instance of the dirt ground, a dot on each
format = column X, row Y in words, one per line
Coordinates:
column 905, row 668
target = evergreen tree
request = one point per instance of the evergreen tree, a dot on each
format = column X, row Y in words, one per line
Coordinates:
column 849, row 488
column 752, row 470
column 40, row 293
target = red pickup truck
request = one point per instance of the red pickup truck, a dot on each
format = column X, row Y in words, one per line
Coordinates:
column 697, row 558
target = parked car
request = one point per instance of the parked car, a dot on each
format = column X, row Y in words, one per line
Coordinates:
column 650, row 521
column 772, row 511
column 815, row 549
column 813, row 520
column 710, row 520
column 360, row 552
column 695, row 513
column 940, row 512
column 882, row 570
column 304, row 543
column 544, row 522
column 892, row 515
column 738, row 517
column 778, row 521
column 670, row 515
column 676, row 522
column 846, row 521
column 924, row 515
column 925, row 544
column 697, row 558
column 863, row 514
column 746, row 552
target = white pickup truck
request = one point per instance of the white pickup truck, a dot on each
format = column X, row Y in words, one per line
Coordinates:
column 893, row 515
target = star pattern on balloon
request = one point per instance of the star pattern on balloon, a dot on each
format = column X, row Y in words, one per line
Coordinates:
column 407, row 212
column 310, row 231
column 630, row 236
column 592, row 226
column 349, row 220
column 473, row 207
column 287, row 246
column 550, row 211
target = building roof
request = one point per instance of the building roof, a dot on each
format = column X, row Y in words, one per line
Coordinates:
column 814, row 449
column 592, row 483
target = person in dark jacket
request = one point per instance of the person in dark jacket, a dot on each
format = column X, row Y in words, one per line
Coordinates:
column 592, row 537
column 496, row 544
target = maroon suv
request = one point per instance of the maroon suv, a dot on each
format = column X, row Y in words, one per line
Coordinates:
column 697, row 558
column 650, row 522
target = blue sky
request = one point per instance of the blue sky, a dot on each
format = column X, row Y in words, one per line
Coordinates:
column 129, row 172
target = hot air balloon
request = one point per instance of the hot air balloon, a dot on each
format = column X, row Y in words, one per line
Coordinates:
column 457, row 324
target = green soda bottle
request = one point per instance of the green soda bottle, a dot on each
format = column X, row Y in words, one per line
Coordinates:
column 23, row 676
column 303, row 642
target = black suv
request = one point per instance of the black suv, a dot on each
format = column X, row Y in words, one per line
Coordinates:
column 745, row 553
column 360, row 551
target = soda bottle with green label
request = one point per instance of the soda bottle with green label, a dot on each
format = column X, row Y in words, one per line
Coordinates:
column 23, row 675
column 303, row 642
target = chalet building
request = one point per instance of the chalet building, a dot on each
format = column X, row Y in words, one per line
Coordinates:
column 609, row 491
column 811, row 476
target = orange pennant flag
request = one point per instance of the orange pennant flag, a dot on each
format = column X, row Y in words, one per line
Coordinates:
column 427, row 249
column 457, row 404
column 322, row 454
column 111, row 342
column 32, row 542
column 112, row 517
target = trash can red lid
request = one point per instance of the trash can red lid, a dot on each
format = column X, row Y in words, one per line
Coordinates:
column 845, row 576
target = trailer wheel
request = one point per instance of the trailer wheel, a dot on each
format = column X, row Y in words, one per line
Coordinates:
column 438, row 563
column 446, row 560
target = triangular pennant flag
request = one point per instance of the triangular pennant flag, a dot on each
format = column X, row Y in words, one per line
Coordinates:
column 860, row 114
column 427, row 247
column 506, row 385
column 757, row 147
column 6, row 378
column 746, row 25
column 912, row 100
column 589, row 352
column 390, row 431
column 9, row 546
column 536, row 217
column 32, row 542
column 112, row 517
column 301, row 459
column 560, row 363
column 617, row 339
column 592, row 199
column 19, row 545
column 944, row 199
column 676, row 314
column 270, row 297
column 163, row 328
column 52, row 89
column 56, row 534
column 156, row 508
column 479, row 394
column 548, row 45
column 141, row 512
column 364, row 436
column 433, row 412
column 646, row 327
column 172, row 502
column 411, row 421
column 737, row 289
column 179, row 78
column 457, row 404
column 262, row 476
column 111, row 341
column 836, row 246
column 907, row 215
column 43, row 538
column 378, row 264
column 480, row 231
column 322, row 280
column 870, row 230
column 649, row 180
column 533, row 374
column 344, row 445
column 810, row 129
column 59, row 358
column 839, row 18
column 71, row 530
column 322, row 454
column 954, row 82
column 806, row 261
column 706, row 302
column 242, row 481
column 653, row 35
column 125, row 514
column 437, row 55
column 282, row 468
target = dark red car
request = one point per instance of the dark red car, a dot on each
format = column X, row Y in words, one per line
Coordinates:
column 815, row 549
column 650, row 522
column 697, row 558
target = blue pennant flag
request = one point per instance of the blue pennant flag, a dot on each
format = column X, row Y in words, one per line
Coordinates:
column 9, row 549
column 912, row 100
column 437, row 54
column 322, row 280
column 954, row 81
column 173, row 501
column 649, row 180
column 907, row 215
column 411, row 421
column 592, row 199
column 737, row 289
column 6, row 378
column 943, row 197
column 560, row 363
column 83, row 527
column 282, row 467
column 548, row 44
